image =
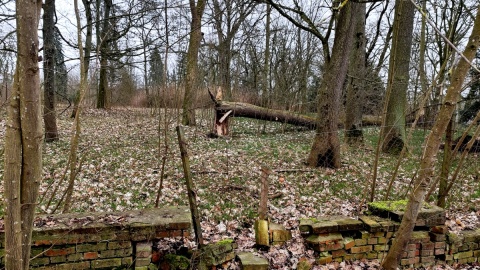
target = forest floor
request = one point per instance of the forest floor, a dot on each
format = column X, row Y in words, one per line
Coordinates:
column 122, row 149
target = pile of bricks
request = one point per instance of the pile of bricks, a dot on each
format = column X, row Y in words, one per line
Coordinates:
column 344, row 239
column 103, row 241
column 370, row 237
column 463, row 248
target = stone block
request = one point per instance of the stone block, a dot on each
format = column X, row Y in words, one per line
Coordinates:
column 348, row 243
column 75, row 257
column 382, row 240
column 324, row 227
column 324, row 238
column 107, row 263
column 90, row 255
column 250, row 261
column 278, row 233
column 40, row 261
column 419, row 237
column 59, row 251
column 324, row 259
column 119, row 244
column 427, row 252
column 462, row 255
column 58, row 259
column 360, row 242
column 338, row 253
column 349, row 224
column 361, row 249
column 381, row 247
column 372, row 255
column 123, row 252
column 411, row 246
column 372, row 241
column 428, row 245
column 439, row 251
column 91, row 247
column 33, row 252
column 217, row 253
column 370, row 224
column 441, row 229
column 261, row 232
column 107, row 253
column 362, row 235
column 142, row 262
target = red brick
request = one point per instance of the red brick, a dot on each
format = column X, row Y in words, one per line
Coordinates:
column 361, row 249
column 59, row 252
column 42, row 243
column 349, row 243
column 360, row 242
column 428, row 259
column 439, row 251
column 90, row 255
column 162, row 234
column 411, row 247
column 428, row 252
column 338, row 253
column 440, row 245
column 429, row 245
column 372, row 241
column 442, row 229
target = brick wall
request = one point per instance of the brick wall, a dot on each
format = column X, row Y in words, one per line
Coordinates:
column 102, row 240
column 370, row 237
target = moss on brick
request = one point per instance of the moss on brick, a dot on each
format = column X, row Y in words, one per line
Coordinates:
column 176, row 262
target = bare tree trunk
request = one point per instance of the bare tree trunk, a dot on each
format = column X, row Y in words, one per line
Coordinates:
column 49, row 114
column 74, row 141
column 87, row 49
column 102, row 95
column 325, row 150
column 393, row 135
column 355, row 90
column 446, row 164
column 432, row 143
column 23, row 140
column 191, row 84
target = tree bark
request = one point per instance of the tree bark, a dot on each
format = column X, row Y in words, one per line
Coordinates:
column 398, row 76
column 239, row 109
column 23, row 140
column 431, row 148
column 103, row 43
column 49, row 114
column 87, row 49
column 188, row 114
column 355, row 90
column 325, row 150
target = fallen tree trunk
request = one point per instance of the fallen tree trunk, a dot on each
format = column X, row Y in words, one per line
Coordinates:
column 238, row 109
column 226, row 109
